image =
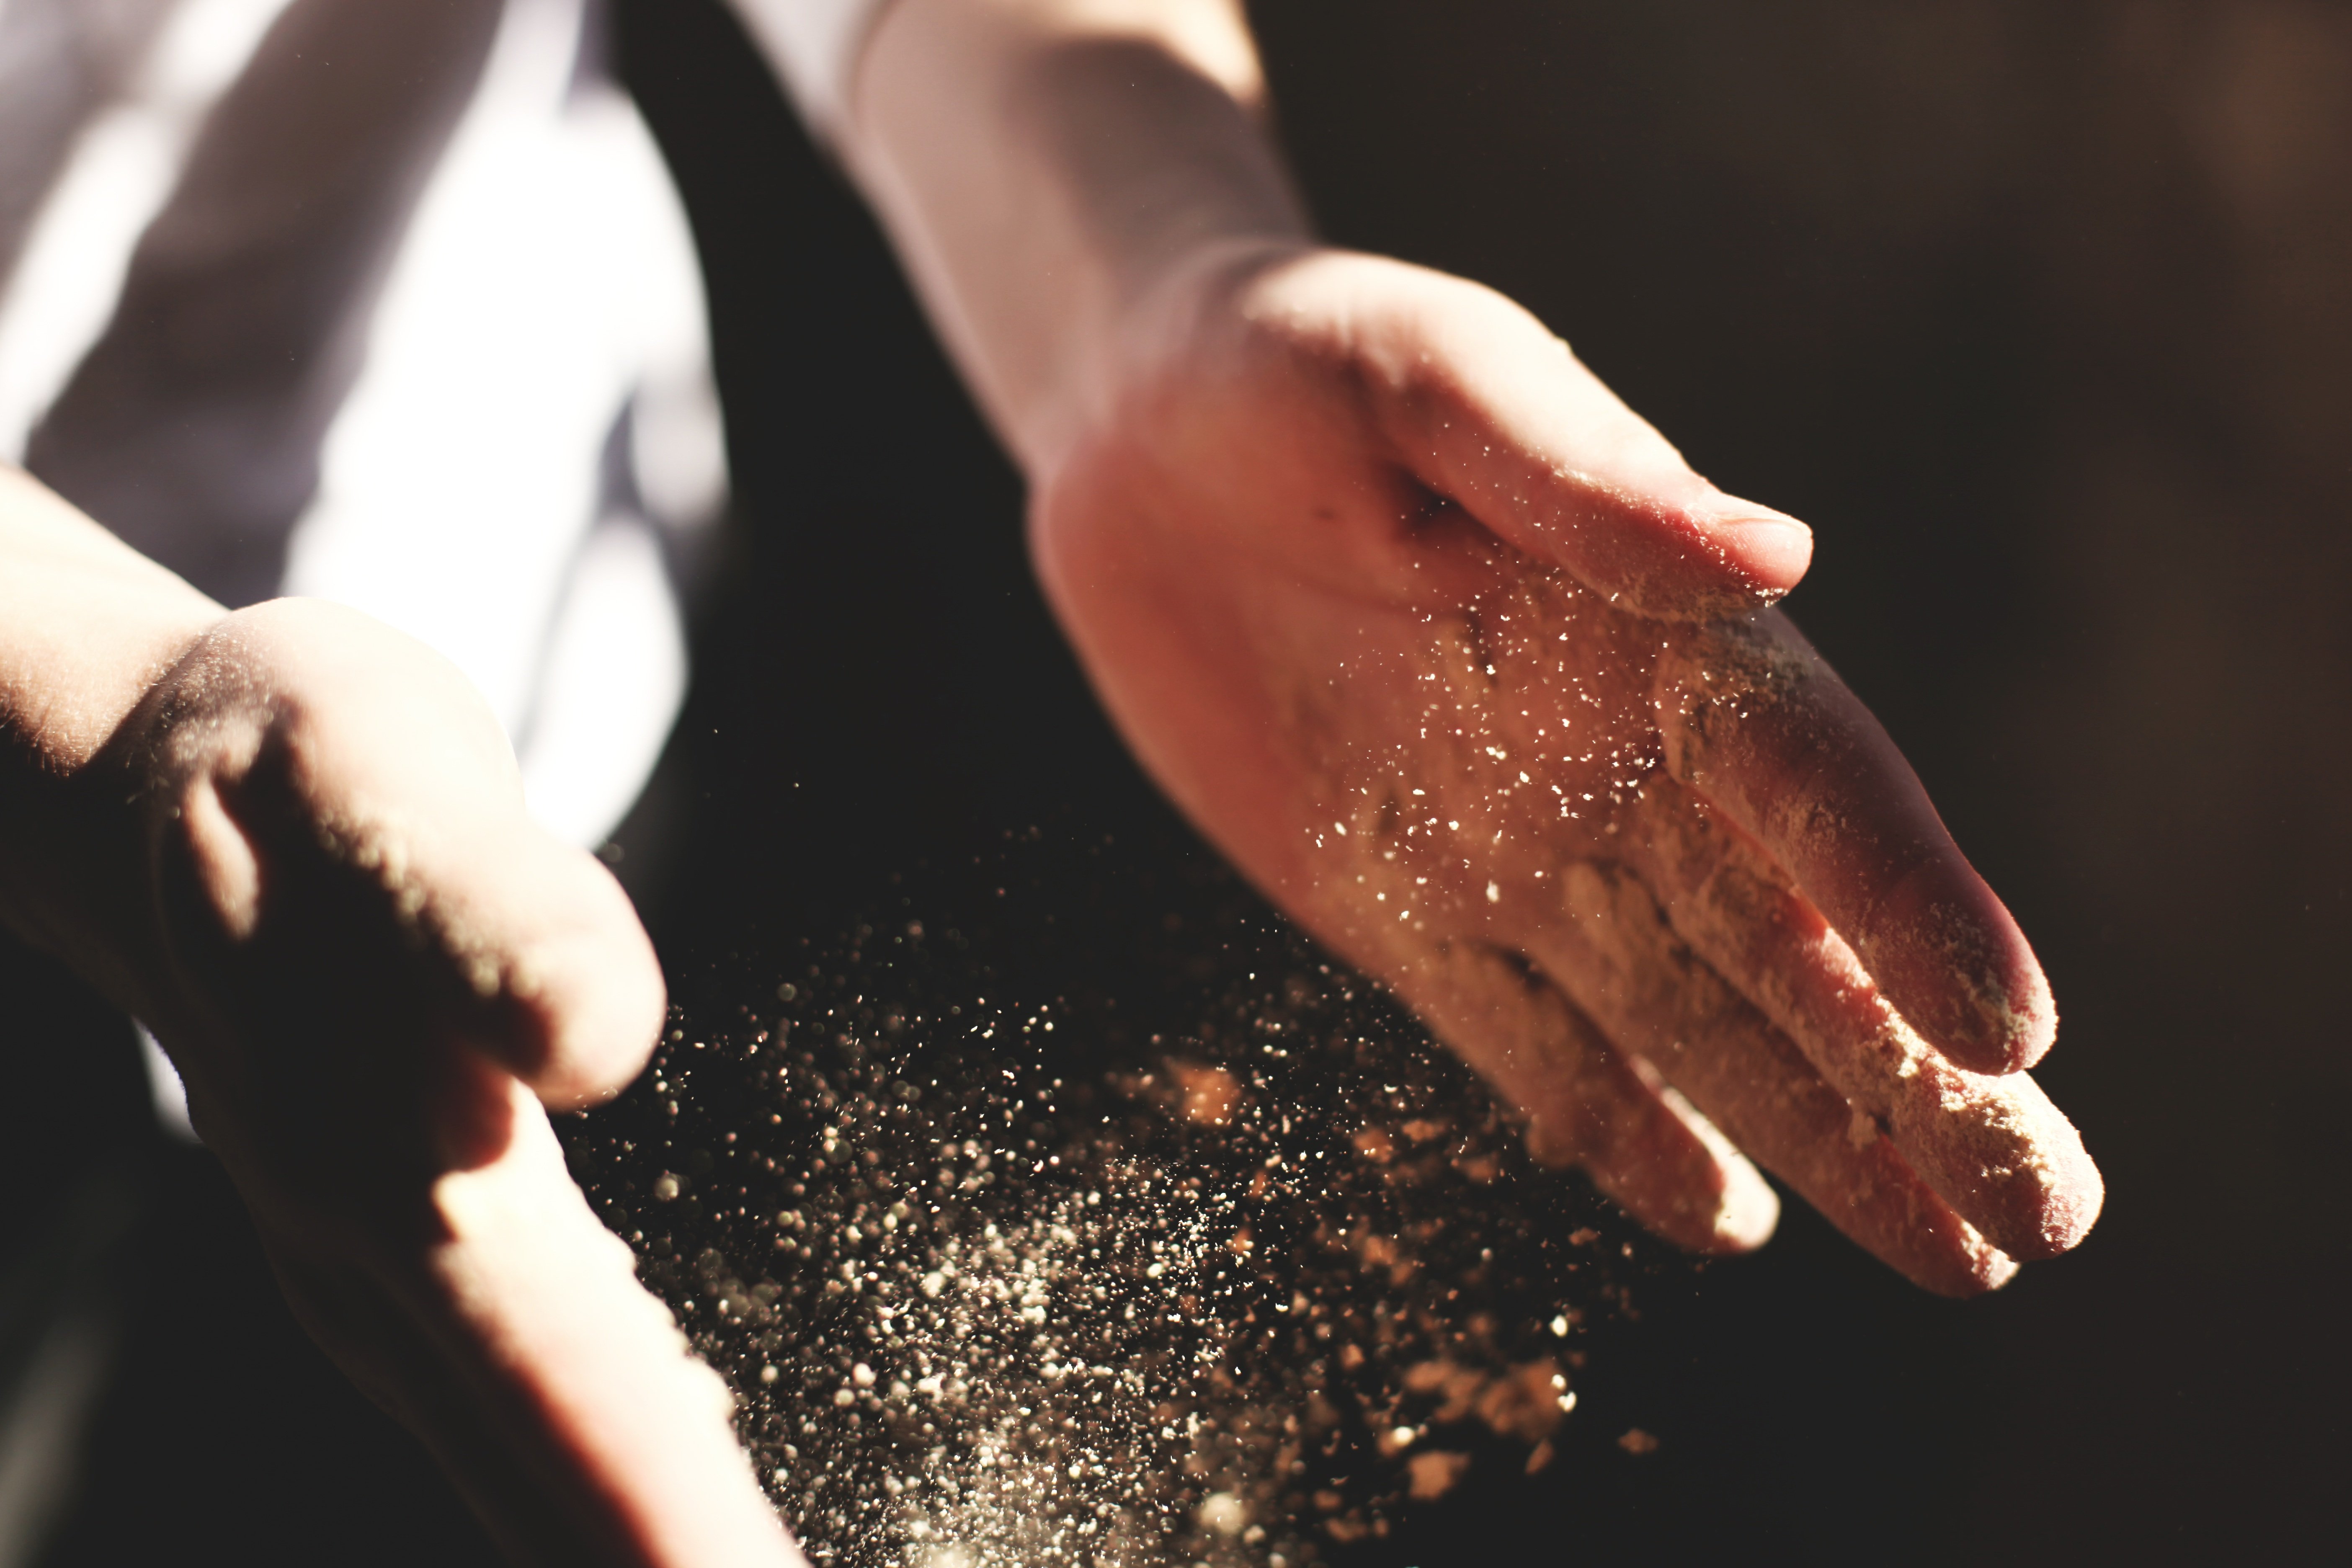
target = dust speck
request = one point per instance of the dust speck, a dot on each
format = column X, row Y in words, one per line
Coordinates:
column 1228, row 1272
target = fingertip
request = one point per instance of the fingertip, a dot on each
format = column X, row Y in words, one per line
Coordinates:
column 1984, row 1268
column 1761, row 728
column 1494, row 413
column 572, row 1084
column 2005, row 1016
column 1750, row 1209
column 1942, row 1253
column 1955, row 964
column 593, row 987
column 1702, row 558
column 1770, row 549
column 1747, row 1211
column 2073, row 1222
column 604, row 1040
column 2076, row 1195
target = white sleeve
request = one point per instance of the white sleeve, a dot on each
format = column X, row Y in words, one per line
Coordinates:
column 813, row 45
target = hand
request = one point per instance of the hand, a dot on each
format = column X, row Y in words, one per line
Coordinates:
column 1463, row 664
column 373, row 972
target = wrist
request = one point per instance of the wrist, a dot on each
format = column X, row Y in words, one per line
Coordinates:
column 1050, row 170
column 1189, row 310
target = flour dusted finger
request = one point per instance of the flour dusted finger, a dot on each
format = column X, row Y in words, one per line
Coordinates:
column 1613, row 951
column 1993, row 1146
column 1755, row 720
column 1586, row 1105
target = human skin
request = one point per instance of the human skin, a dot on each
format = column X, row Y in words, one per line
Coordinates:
column 293, row 842
column 1327, row 531
column 1457, row 659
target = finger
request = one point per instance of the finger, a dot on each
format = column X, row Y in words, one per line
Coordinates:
column 570, row 993
column 1490, row 409
column 519, row 944
column 379, row 777
column 1586, row 1105
column 1754, row 721
column 1992, row 1146
column 1608, row 945
column 560, row 1395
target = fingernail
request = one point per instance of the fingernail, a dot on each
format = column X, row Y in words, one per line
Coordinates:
column 1774, row 547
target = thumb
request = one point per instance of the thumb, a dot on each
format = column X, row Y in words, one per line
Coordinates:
column 381, row 821
column 1492, row 411
column 567, row 992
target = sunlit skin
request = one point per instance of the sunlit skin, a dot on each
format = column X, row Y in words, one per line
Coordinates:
column 1327, row 532
column 293, row 842
column 1582, row 833
column 1291, row 504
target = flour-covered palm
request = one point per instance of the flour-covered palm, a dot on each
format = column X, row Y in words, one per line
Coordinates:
column 1463, row 664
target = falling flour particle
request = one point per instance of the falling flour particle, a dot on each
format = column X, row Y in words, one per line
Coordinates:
column 1223, row 1513
column 1435, row 1473
column 1236, row 1292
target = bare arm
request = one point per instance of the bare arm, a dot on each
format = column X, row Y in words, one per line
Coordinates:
column 1043, row 166
column 1302, row 512
column 1071, row 181
column 293, row 842
column 87, row 626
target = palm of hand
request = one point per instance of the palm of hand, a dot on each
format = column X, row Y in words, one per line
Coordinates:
column 1593, row 848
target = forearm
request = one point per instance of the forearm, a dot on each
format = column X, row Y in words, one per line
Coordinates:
column 1043, row 165
column 88, row 627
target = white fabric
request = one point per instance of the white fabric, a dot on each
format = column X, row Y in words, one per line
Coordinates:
column 813, row 45
column 536, row 410
column 547, row 285
column 544, row 300
column 115, row 178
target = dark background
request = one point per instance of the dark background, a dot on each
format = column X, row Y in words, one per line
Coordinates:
column 2041, row 315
